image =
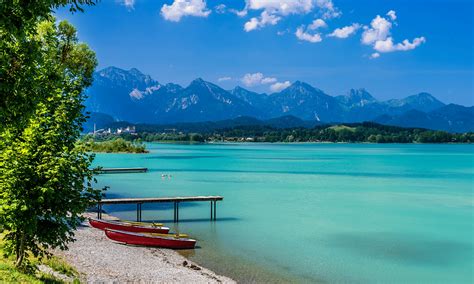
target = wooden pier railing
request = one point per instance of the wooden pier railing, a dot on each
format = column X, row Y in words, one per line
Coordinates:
column 176, row 200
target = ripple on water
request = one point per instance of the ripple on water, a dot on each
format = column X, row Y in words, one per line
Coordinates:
column 409, row 249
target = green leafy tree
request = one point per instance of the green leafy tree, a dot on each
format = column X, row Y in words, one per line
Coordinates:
column 45, row 181
column 21, row 52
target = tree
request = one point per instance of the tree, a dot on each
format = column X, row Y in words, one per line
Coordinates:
column 21, row 51
column 45, row 179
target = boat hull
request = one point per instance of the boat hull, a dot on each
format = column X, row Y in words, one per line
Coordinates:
column 139, row 239
column 122, row 226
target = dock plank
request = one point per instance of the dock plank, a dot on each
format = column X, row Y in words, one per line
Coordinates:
column 161, row 199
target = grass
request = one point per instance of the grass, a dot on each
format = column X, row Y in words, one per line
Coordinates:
column 11, row 274
column 60, row 266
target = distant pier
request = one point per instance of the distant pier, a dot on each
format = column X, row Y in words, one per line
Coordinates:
column 122, row 170
column 176, row 200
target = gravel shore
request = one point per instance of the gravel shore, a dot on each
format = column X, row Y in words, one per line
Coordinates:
column 99, row 259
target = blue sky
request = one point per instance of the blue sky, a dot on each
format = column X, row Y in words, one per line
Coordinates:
column 391, row 48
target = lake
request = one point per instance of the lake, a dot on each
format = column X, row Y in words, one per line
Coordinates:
column 313, row 212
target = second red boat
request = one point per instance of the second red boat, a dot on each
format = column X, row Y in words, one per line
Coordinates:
column 151, row 240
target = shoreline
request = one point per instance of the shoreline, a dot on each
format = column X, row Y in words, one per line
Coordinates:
column 99, row 259
column 295, row 143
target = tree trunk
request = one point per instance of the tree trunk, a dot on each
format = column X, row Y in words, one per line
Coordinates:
column 20, row 248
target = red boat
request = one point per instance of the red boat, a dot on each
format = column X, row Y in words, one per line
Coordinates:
column 137, row 227
column 151, row 240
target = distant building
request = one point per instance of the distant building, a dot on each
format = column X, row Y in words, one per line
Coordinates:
column 170, row 130
column 128, row 129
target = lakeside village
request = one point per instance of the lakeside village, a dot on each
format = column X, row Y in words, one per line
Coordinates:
column 170, row 133
column 118, row 131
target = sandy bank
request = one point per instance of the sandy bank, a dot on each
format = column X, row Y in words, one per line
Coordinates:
column 100, row 260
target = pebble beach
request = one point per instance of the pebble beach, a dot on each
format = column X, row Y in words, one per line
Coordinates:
column 100, row 260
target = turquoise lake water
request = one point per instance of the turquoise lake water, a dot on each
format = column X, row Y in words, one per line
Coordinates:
column 358, row 213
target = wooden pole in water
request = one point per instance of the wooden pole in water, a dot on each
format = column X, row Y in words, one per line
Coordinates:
column 138, row 214
column 174, row 212
column 215, row 207
column 177, row 212
column 141, row 212
column 211, row 210
column 99, row 210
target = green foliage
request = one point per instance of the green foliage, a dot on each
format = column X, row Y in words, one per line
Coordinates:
column 351, row 133
column 45, row 179
column 116, row 145
column 22, row 51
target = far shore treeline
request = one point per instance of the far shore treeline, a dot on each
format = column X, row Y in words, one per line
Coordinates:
column 366, row 132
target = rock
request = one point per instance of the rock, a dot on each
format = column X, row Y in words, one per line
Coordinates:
column 195, row 267
column 185, row 263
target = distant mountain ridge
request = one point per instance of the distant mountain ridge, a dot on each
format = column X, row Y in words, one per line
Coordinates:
column 135, row 97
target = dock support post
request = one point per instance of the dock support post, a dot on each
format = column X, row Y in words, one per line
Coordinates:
column 174, row 212
column 215, row 207
column 177, row 212
column 99, row 210
column 211, row 211
column 139, row 212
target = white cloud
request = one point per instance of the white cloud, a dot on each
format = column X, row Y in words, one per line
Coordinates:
column 281, row 7
column 130, row 4
column 251, row 25
column 241, row 14
column 316, row 24
column 222, row 79
column 262, row 21
column 380, row 29
column 407, row 45
column 301, row 34
column 252, row 79
column 181, row 8
column 375, row 55
column 276, row 9
column 378, row 35
column 345, row 32
column 388, row 45
column 255, row 79
column 280, row 86
column 269, row 80
column 328, row 8
column 392, row 14
column 220, row 9
column 327, row 4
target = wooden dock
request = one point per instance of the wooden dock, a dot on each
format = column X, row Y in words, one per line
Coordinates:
column 122, row 170
column 176, row 200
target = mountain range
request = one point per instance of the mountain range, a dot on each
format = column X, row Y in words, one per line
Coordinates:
column 130, row 95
